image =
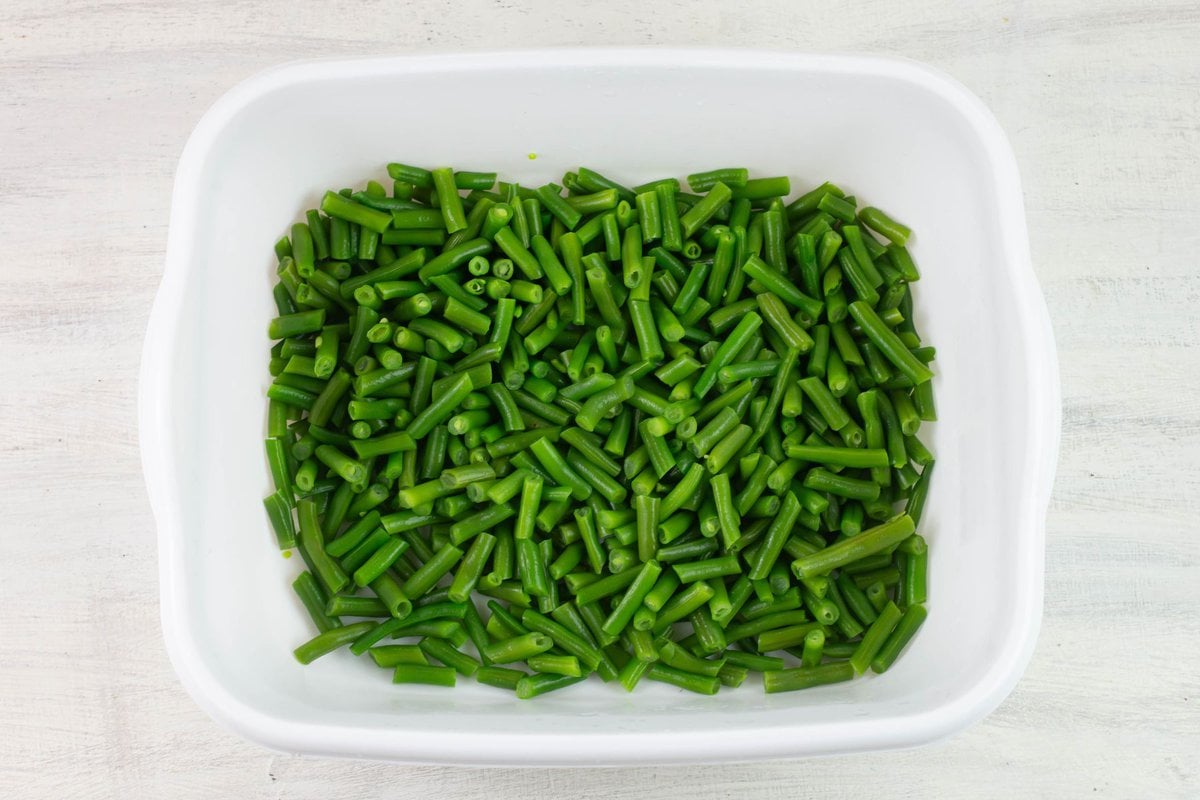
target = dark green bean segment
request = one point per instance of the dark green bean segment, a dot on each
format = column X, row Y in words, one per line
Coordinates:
column 534, row 432
column 330, row 640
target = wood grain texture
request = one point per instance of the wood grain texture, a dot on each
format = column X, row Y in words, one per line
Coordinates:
column 1101, row 100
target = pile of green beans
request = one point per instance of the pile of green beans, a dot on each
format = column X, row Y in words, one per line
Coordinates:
column 637, row 432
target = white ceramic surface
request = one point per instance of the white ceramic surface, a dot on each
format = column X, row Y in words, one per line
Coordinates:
column 897, row 134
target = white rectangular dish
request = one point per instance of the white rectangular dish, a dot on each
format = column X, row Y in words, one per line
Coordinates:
column 897, row 134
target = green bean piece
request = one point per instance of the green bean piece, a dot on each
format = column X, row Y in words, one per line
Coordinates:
column 912, row 580
column 602, row 292
column 592, row 181
column 753, row 661
column 837, row 207
column 466, row 528
column 332, row 577
column 717, row 429
column 500, row 677
column 343, row 208
column 777, row 318
column 531, row 568
column 603, row 402
column 570, row 558
column 531, row 499
column 565, row 212
column 826, row 404
column 764, row 188
column 359, row 554
column 814, row 648
column 518, row 648
column 672, row 232
column 303, row 250
column 471, row 568
column 556, row 466
column 725, row 353
column 611, row 229
column 314, row 599
column 885, row 226
column 635, row 594
column 728, row 519
column 424, row 674
column 379, row 561
column 733, row 177
column 807, row 203
column 556, row 665
column 649, row 215
column 414, row 176
column 869, row 563
column 769, row 622
column 840, row 485
column 594, row 203
column 777, row 535
column 297, row 324
column 532, row 686
column 604, row 587
column 850, row 550
column 451, row 203
column 689, row 294
column 838, row 456
column 916, row 499
column 588, row 534
column 832, row 610
column 732, row 676
column 899, row 638
column 922, row 398
column 785, row 637
column 857, row 277
column 699, row 684
column 707, row 569
column 710, row 637
column 427, row 576
column 723, row 452
column 584, row 621
column 328, row 641
column 393, row 655
column 559, row 278
column 856, row 600
column 647, row 509
column 279, row 512
column 790, row 680
column 589, row 447
column 889, row 343
column 860, row 250
column 701, row 212
column 875, row 638
column 574, row 644
column 391, row 595
column 441, row 407
column 877, row 594
column 673, row 655
column 776, row 283
column 682, row 604
column 659, row 453
column 509, row 242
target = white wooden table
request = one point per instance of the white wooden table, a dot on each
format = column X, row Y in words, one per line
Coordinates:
column 1101, row 99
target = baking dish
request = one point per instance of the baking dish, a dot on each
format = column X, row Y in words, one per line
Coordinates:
column 899, row 135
